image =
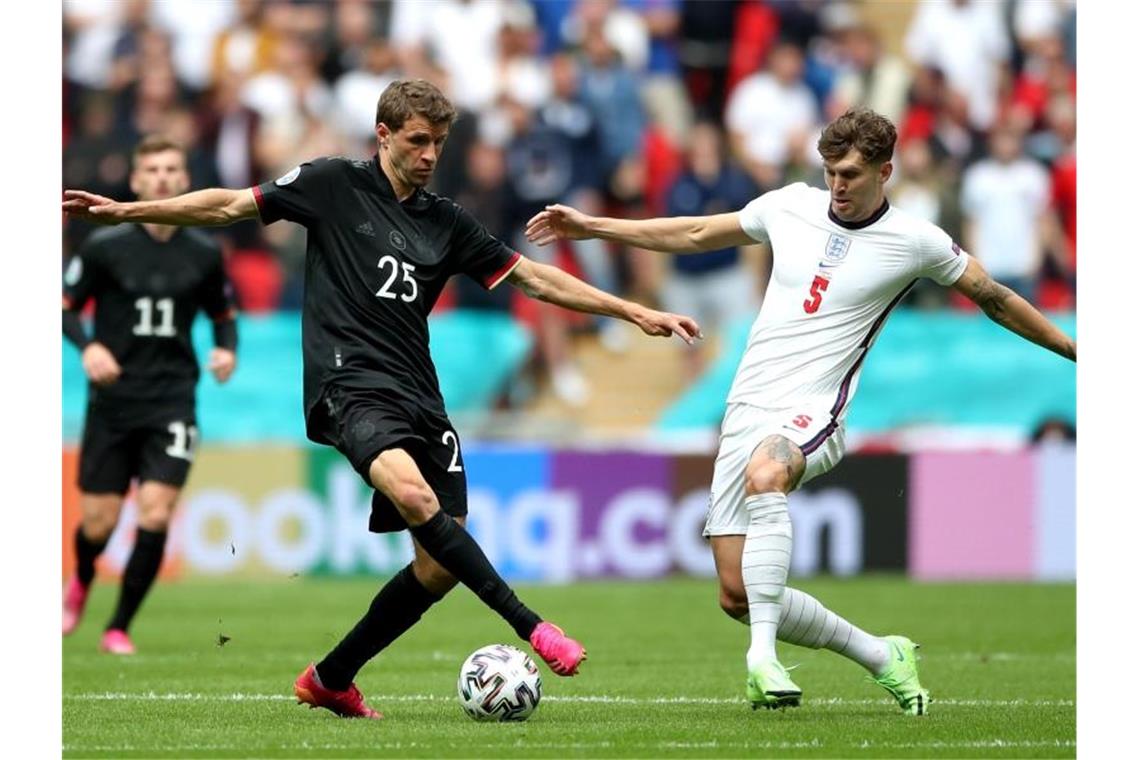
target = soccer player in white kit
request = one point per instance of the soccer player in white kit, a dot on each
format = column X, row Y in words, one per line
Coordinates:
column 842, row 260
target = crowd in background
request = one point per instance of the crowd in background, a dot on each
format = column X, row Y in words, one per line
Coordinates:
column 625, row 107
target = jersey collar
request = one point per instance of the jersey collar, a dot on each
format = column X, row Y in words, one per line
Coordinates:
column 861, row 224
column 388, row 191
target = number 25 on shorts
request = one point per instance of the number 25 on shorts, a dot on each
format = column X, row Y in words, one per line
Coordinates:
column 818, row 285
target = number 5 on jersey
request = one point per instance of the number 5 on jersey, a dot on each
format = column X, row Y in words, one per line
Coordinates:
column 818, row 286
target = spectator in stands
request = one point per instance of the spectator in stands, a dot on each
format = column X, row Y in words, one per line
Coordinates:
column 541, row 169
column 98, row 157
column 486, row 198
column 354, row 93
column 1045, row 76
column 193, row 28
column 704, row 51
column 718, row 288
column 354, row 26
column 964, row 39
column 1005, row 203
column 460, row 37
column 290, row 99
column 245, row 48
column 771, row 117
column 661, row 85
column 608, row 87
column 869, row 76
column 92, row 26
column 918, row 188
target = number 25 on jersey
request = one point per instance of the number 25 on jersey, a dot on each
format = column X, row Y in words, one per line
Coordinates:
column 818, row 286
column 392, row 269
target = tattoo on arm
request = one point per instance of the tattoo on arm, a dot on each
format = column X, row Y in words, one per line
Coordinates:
column 991, row 296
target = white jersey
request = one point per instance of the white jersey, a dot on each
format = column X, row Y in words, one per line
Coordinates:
column 832, row 286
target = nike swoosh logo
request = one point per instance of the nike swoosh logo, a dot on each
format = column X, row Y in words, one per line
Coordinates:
column 899, row 653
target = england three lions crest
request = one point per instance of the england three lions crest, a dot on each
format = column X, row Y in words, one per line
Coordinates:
column 836, row 250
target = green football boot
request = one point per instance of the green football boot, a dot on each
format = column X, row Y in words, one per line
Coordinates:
column 770, row 687
column 901, row 677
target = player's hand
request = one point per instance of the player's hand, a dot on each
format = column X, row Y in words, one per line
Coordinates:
column 557, row 222
column 92, row 208
column 100, row 364
column 222, row 364
column 665, row 324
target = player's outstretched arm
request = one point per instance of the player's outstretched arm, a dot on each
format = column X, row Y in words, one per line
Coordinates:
column 550, row 284
column 1011, row 311
column 208, row 208
column 679, row 234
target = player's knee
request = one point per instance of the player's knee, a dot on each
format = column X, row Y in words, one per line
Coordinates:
column 98, row 528
column 415, row 500
column 99, row 521
column 155, row 519
column 765, row 475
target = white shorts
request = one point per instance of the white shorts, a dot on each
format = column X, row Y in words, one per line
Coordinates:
column 811, row 428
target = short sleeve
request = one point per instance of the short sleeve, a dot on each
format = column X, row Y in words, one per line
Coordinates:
column 940, row 258
column 300, row 195
column 479, row 254
column 81, row 276
column 754, row 217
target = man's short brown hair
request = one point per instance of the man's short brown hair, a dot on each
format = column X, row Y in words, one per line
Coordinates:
column 870, row 133
column 155, row 144
column 406, row 98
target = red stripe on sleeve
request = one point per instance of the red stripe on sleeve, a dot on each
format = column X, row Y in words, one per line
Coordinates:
column 498, row 276
column 258, row 199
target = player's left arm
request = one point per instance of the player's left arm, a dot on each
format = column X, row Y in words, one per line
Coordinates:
column 551, row 284
column 218, row 302
column 1011, row 311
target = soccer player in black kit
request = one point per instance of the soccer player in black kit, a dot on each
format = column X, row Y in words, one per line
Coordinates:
column 380, row 249
column 148, row 282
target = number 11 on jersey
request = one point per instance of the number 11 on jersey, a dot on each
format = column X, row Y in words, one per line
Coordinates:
column 818, row 285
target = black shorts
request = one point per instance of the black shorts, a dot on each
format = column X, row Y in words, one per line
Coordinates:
column 123, row 441
column 363, row 423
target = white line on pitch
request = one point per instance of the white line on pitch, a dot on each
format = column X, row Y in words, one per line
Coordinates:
column 579, row 699
column 374, row 746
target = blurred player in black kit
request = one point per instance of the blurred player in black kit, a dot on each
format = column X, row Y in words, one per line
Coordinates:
column 148, row 282
column 380, row 249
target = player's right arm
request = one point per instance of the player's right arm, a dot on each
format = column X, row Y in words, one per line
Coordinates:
column 208, row 208
column 681, row 234
column 80, row 283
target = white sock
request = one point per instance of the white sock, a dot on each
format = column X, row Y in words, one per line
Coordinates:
column 807, row 623
column 767, row 556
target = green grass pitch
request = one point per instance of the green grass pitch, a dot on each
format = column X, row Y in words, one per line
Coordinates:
column 665, row 676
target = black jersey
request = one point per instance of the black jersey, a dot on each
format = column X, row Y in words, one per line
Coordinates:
column 146, row 294
column 374, row 269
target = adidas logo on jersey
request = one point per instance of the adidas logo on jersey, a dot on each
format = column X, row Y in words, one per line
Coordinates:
column 366, row 229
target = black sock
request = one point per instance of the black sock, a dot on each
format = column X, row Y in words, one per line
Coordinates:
column 86, row 552
column 141, row 570
column 395, row 609
column 453, row 547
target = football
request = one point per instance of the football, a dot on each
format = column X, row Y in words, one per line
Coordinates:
column 499, row 682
